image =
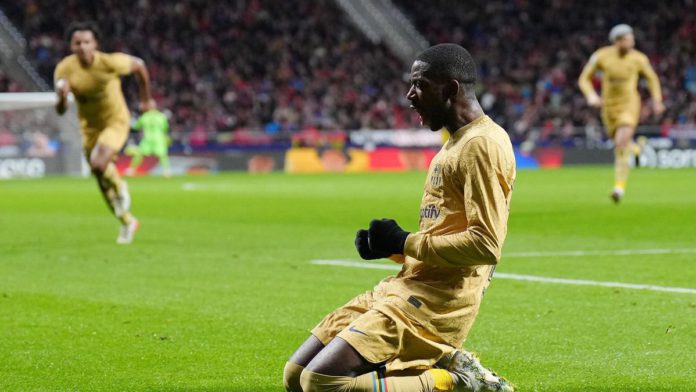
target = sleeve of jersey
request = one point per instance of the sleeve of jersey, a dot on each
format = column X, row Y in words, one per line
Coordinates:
column 59, row 72
column 653, row 80
column 486, row 211
column 585, row 80
column 120, row 63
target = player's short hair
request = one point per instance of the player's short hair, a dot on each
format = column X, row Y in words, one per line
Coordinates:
column 618, row 31
column 87, row 25
column 447, row 62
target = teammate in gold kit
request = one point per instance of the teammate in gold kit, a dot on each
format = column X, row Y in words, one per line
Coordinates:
column 94, row 78
column 621, row 66
column 405, row 335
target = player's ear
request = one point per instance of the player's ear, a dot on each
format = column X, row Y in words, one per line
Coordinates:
column 451, row 89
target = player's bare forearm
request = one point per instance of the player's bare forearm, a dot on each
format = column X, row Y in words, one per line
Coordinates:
column 61, row 106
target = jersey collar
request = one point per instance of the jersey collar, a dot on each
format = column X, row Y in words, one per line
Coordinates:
column 461, row 131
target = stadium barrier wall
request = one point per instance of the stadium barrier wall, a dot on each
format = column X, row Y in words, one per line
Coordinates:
column 668, row 153
column 356, row 160
column 292, row 160
column 30, row 167
column 359, row 151
column 379, row 154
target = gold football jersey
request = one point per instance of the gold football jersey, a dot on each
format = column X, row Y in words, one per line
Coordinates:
column 620, row 76
column 463, row 223
column 97, row 88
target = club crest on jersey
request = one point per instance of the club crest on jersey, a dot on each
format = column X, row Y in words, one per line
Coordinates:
column 436, row 175
column 429, row 212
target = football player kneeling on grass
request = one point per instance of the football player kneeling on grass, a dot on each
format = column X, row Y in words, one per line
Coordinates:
column 406, row 334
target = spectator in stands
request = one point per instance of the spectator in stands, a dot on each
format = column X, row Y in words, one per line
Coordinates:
column 288, row 66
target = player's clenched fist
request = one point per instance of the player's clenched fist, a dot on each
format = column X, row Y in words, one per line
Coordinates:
column 62, row 87
column 363, row 247
column 386, row 236
column 594, row 101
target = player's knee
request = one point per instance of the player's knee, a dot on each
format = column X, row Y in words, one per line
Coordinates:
column 98, row 165
column 291, row 377
column 309, row 383
column 315, row 382
column 621, row 142
column 623, row 137
column 621, row 146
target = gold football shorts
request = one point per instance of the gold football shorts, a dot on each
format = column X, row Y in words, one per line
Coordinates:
column 113, row 135
column 397, row 340
column 614, row 118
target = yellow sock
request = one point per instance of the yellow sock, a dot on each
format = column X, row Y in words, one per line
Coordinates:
column 110, row 185
column 443, row 380
column 112, row 178
column 110, row 197
column 621, row 167
column 377, row 382
column 126, row 218
column 107, row 193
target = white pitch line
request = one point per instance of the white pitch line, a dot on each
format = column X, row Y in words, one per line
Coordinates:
column 192, row 186
column 615, row 252
column 527, row 278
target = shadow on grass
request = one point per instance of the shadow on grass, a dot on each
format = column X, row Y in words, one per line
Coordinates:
column 251, row 388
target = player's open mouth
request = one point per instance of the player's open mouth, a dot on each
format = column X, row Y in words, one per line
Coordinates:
column 422, row 119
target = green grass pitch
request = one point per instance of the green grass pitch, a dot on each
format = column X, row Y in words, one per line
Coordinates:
column 217, row 291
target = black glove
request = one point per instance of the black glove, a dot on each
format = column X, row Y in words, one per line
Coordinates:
column 386, row 236
column 363, row 247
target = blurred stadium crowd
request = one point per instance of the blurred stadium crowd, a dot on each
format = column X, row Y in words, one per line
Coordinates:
column 289, row 66
column 8, row 85
column 530, row 54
